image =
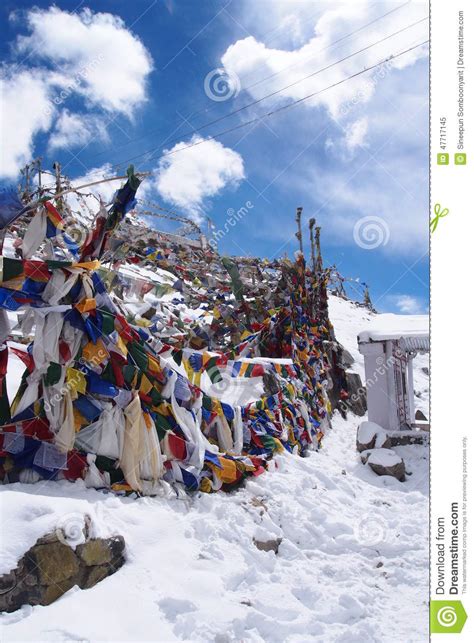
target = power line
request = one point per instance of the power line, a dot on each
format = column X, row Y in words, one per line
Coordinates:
column 292, row 104
column 215, row 105
column 190, row 133
column 328, row 46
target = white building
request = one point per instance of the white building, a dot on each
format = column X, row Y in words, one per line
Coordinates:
column 389, row 345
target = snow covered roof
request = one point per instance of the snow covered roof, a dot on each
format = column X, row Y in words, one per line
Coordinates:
column 413, row 329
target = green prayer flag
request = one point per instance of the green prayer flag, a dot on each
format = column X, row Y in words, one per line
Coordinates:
column 53, row 374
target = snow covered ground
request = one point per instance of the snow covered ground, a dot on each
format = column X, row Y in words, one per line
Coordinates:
column 352, row 565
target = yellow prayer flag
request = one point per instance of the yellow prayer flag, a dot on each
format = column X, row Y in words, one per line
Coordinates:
column 145, row 385
column 86, row 305
column 95, row 353
column 76, row 382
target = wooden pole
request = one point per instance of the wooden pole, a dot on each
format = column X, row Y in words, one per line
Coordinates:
column 319, row 260
column 311, row 237
column 298, row 234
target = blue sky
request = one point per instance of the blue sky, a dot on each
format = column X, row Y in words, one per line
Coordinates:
column 96, row 84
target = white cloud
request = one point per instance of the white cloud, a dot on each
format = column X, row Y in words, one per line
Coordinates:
column 25, row 112
column 76, row 129
column 253, row 60
column 409, row 305
column 89, row 205
column 94, row 55
column 188, row 178
column 82, row 54
column 356, row 133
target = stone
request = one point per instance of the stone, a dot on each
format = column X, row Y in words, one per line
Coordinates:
column 404, row 438
column 346, row 358
column 56, row 562
column 385, row 462
column 268, row 545
column 7, row 582
column 51, row 568
column 94, row 575
column 99, row 551
column 51, row 593
column 382, row 440
column 419, row 415
column 357, row 400
column 367, row 435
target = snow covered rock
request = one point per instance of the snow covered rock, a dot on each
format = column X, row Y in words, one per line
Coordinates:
column 370, row 435
column 385, row 462
column 51, row 568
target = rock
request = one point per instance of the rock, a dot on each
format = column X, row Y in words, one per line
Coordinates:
column 419, row 415
column 346, row 358
column 268, row 545
column 357, row 400
column 368, row 434
column 93, row 575
column 56, row 562
column 385, row 462
column 100, row 552
column 425, row 370
column 403, row 438
column 51, row 593
column 7, row 582
column 382, row 441
column 51, row 568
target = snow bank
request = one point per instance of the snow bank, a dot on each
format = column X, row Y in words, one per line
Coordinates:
column 390, row 326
